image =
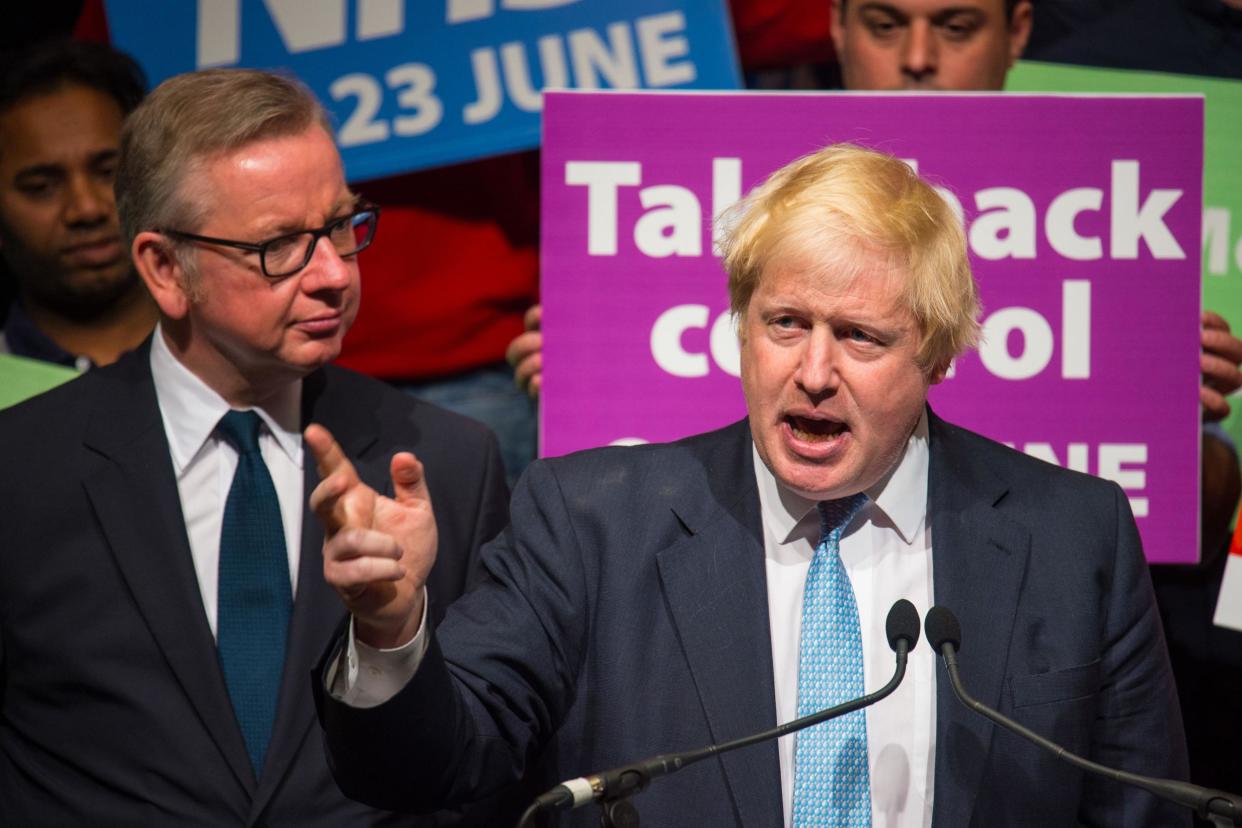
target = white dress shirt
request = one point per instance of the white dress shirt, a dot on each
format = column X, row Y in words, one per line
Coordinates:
column 886, row 550
column 204, row 463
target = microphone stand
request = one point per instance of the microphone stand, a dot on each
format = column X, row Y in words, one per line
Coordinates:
column 1224, row 810
column 613, row 788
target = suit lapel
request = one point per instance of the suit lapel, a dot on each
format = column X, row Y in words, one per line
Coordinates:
column 979, row 559
column 318, row 611
column 718, row 573
column 135, row 498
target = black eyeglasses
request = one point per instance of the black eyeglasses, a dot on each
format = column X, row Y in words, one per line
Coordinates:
column 286, row 255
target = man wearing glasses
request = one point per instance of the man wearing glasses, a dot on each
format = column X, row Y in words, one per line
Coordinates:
column 161, row 596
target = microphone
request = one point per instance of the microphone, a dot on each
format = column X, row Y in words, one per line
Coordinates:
column 944, row 634
column 901, row 627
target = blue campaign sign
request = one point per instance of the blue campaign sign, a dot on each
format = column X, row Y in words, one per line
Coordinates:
column 419, row 83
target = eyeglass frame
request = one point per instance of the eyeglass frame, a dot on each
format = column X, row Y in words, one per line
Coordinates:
column 261, row 247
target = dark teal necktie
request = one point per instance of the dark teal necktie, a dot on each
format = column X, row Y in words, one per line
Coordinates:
column 254, row 592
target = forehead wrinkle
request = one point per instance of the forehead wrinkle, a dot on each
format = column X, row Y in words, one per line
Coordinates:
column 269, row 224
column 61, row 113
column 866, row 294
column 904, row 11
column 288, row 227
column 347, row 200
column 887, row 8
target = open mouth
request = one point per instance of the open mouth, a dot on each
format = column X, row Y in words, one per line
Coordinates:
column 812, row 430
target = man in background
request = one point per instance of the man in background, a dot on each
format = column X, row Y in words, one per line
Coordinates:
column 78, row 301
column 161, row 596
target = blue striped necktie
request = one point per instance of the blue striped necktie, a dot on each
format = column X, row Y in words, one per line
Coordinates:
column 832, row 785
column 254, row 592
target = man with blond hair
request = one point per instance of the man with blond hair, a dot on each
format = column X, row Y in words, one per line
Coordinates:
column 665, row 597
column 161, row 601
column 964, row 46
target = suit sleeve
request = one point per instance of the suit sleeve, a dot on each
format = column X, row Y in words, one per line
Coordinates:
column 492, row 511
column 497, row 679
column 471, row 502
column 1138, row 723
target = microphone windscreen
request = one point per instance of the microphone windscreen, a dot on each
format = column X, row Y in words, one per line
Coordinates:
column 902, row 622
column 942, row 627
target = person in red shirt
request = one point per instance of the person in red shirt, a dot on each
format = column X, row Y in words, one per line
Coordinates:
column 447, row 283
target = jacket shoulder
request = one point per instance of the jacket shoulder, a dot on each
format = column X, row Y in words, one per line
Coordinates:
column 698, row 450
column 694, row 476
column 344, row 389
column 960, row 456
column 64, row 411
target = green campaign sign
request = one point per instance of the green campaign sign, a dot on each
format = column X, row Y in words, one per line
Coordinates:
column 22, row 378
column 1222, row 170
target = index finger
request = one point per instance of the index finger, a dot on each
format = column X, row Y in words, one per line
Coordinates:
column 1214, row 321
column 329, row 456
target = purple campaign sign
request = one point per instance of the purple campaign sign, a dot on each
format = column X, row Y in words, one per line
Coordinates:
column 1083, row 217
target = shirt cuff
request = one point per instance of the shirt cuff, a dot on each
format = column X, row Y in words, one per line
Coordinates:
column 371, row 675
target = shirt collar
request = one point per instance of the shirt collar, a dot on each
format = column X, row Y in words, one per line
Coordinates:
column 898, row 500
column 24, row 338
column 191, row 409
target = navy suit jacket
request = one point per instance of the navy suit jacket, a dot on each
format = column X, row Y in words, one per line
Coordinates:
column 625, row 614
column 113, row 709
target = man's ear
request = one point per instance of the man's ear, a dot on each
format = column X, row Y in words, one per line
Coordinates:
column 162, row 273
column 1019, row 30
column 937, row 373
column 837, row 27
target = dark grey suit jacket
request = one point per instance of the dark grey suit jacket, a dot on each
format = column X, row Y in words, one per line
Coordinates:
column 113, row 709
column 625, row 614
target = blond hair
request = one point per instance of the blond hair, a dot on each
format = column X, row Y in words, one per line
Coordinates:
column 190, row 118
column 835, row 210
